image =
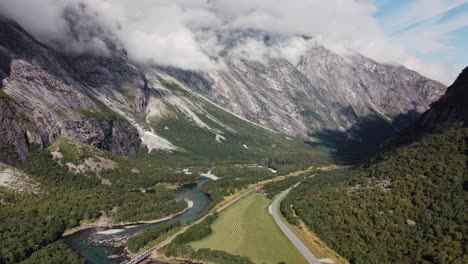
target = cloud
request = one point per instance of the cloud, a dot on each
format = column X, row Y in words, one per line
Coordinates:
column 190, row 33
column 414, row 12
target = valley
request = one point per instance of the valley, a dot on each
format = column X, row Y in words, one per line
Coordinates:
column 247, row 229
column 223, row 144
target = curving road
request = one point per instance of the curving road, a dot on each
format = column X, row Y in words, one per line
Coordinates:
column 291, row 236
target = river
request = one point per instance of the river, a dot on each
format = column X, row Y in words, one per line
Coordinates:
column 96, row 248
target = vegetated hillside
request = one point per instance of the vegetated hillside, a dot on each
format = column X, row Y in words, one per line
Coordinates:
column 89, row 183
column 203, row 133
column 407, row 205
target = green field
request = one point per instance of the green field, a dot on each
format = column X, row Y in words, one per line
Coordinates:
column 247, row 229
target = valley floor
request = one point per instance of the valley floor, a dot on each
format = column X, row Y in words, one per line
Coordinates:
column 247, row 229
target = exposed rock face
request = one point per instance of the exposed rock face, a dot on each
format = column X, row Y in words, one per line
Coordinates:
column 106, row 102
column 13, row 140
column 323, row 91
column 451, row 108
column 45, row 96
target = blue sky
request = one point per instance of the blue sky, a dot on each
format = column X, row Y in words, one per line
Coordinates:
column 434, row 30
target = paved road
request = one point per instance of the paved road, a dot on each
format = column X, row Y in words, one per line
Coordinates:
column 288, row 232
column 155, row 249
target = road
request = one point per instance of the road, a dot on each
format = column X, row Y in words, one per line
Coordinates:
column 226, row 205
column 288, row 232
column 154, row 250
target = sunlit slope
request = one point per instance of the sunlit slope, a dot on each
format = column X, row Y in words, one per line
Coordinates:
column 247, row 229
column 202, row 130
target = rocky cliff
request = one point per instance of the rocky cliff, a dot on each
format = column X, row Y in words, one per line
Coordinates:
column 323, row 91
column 46, row 95
column 108, row 103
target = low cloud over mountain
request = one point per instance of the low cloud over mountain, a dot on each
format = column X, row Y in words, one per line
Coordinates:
column 190, row 34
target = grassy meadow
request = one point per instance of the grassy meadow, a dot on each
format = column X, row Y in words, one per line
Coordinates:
column 248, row 229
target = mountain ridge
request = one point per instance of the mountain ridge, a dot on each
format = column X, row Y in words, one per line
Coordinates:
column 107, row 102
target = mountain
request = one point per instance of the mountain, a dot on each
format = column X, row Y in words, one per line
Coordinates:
column 451, row 107
column 409, row 203
column 322, row 91
column 45, row 95
column 111, row 104
column 85, row 136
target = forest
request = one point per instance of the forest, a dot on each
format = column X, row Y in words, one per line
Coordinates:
column 32, row 221
column 407, row 205
column 139, row 241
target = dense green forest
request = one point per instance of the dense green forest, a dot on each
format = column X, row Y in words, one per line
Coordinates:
column 140, row 240
column 57, row 252
column 66, row 199
column 179, row 248
column 274, row 188
column 407, row 205
column 233, row 179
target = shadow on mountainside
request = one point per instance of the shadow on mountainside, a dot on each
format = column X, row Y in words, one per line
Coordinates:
column 363, row 139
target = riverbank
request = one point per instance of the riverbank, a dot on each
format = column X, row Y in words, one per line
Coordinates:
column 105, row 221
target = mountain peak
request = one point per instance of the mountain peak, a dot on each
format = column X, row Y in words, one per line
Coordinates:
column 451, row 108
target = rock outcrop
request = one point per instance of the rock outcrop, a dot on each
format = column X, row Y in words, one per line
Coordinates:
column 323, row 91
column 46, row 95
column 107, row 102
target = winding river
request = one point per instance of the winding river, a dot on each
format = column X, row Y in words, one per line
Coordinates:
column 97, row 247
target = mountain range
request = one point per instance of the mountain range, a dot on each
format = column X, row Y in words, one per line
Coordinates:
column 109, row 103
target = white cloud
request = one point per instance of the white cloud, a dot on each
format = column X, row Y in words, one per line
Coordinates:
column 184, row 33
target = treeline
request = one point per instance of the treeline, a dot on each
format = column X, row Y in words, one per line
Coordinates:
column 139, row 241
column 274, row 188
column 408, row 205
column 197, row 231
column 233, row 179
column 179, row 248
column 66, row 199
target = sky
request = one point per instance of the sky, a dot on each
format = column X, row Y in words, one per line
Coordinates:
column 434, row 30
column 427, row 36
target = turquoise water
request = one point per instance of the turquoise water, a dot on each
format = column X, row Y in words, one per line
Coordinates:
column 96, row 248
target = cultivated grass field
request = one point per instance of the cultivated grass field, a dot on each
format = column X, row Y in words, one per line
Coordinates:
column 248, row 229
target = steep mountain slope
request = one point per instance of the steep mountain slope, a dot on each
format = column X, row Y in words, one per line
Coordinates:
column 407, row 205
column 323, row 91
column 108, row 103
column 45, row 97
column 452, row 107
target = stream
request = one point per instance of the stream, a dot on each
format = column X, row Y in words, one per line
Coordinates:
column 96, row 248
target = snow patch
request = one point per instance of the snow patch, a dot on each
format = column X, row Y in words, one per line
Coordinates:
column 148, row 138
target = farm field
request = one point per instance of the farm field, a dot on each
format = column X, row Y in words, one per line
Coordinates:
column 248, row 229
